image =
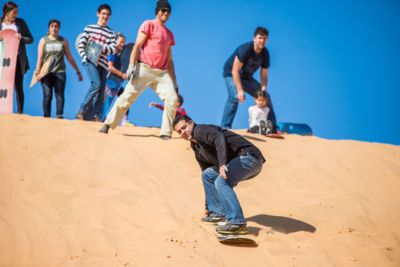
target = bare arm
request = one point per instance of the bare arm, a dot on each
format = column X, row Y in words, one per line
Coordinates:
column 114, row 70
column 264, row 78
column 171, row 69
column 39, row 62
column 237, row 66
column 140, row 39
column 71, row 60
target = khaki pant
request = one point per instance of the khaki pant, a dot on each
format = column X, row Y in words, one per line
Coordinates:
column 160, row 81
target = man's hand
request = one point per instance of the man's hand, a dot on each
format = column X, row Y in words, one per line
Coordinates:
column 131, row 71
column 241, row 96
column 222, row 171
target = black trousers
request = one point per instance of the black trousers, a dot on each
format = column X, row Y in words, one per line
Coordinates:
column 19, row 87
column 56, row 82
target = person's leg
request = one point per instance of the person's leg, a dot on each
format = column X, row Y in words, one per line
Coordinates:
column 99, row 98
column 95, row 84
column 209, row 176
column 231, row 104
column 47, row 85
column 239, row 169
column 59, row 89
column 19, row 87
column 271, row 115
column 164, row 87
column 131, row 92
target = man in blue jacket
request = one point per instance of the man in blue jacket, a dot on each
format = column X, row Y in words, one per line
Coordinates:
column 225, row 159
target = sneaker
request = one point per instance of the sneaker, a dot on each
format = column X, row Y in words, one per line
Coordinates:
column 79, row 115
column 105, row 129
column 270, row 127
column 232, row 229
column 263, row 128
column 212, row 219
column 165, row 137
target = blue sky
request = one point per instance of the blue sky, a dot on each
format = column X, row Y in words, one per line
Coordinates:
column 334, row 64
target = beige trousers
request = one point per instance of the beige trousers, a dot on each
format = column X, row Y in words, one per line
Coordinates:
column 145, row 76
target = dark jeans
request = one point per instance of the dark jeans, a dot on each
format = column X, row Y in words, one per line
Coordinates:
column 92, row 105
column 54, row 81
column 250, row 86
column 19, row 87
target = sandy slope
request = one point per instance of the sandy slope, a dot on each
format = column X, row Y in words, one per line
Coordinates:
column 70, row 196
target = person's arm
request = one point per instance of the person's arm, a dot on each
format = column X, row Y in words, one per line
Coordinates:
column 154, row 104
column 216, row 138
column 39, row 61
column 171, row 69
column 111, row 46
column 140, row 39
column 25, row 35
column 71, row 60
column 82, row 45
column 237, row 66
column 264, row 78
column 114, row 70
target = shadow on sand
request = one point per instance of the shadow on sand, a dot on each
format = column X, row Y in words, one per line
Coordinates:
column 281, row 224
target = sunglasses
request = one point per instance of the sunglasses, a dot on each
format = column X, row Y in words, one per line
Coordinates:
column 165, row 10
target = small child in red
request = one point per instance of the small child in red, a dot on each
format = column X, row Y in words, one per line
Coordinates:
column 179, row 111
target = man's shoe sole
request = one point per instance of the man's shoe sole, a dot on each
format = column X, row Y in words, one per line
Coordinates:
column 238, row 232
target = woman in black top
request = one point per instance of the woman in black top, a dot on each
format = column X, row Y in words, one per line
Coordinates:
column 9, row 20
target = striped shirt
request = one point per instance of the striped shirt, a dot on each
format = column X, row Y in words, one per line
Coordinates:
column 101, row 35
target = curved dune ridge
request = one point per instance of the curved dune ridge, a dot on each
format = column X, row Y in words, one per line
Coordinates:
column 70, row 196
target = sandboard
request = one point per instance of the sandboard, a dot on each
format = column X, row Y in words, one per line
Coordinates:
column 237, row 240
column 114, row 81
column 8, row 59
column 275, row 135
column 230, row 240
column 295, row 128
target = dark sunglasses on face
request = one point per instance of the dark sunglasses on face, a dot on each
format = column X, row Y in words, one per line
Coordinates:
column 165, row 10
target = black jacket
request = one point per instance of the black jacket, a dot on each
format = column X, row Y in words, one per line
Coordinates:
column 27, row 38
column 216, row 146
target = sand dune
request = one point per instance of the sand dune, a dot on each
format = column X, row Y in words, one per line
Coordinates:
column 70, row 196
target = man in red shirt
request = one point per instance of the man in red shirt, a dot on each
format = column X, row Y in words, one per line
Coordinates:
column 153, row 67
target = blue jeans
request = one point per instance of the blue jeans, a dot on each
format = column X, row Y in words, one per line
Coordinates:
column 92, row 104
column 220, row 197
column 49, row 82
column 250, row 86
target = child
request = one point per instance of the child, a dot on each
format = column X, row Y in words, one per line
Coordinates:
column 113, row 88
column 179, row 111
column 258, row 115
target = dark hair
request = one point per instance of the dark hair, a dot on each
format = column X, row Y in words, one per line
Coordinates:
column 261, row 31
column 260, row 93
column 180, row 118
column 118, row 35
column 180, row 99
column 103, row 6
column 162, row 4
column 7, row 7
column 54, row 21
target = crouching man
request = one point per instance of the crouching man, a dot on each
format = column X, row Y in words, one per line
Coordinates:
column 225, row 159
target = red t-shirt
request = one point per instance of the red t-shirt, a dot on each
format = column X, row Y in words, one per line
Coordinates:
column 155, row 48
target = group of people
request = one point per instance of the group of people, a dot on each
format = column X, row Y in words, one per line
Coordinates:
column 225, row 158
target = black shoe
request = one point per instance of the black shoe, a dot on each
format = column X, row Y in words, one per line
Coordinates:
column 60, row 117
column 105, row 129
column 79, row 116
column 212, row 219
column 232, row 229
column 263, row 128
column 165, row 137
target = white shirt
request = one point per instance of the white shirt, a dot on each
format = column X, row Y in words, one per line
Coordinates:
column 12, row 26
column 256, row 115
